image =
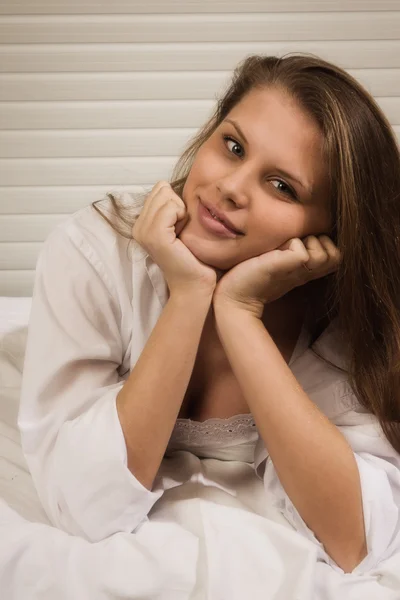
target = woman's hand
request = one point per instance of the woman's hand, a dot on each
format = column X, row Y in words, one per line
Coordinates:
column 160, row 222
column 260, row 280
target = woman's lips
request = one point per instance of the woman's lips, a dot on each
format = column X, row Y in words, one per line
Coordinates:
column 213, row 225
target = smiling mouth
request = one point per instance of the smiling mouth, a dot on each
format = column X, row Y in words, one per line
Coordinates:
column 223, row 222
column 215, row 225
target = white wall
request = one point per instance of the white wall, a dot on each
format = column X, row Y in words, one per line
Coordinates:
column 98, row 95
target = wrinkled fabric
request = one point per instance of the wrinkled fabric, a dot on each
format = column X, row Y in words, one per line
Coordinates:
column 95, row 303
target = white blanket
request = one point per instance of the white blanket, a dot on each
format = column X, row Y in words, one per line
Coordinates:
column 210, row 538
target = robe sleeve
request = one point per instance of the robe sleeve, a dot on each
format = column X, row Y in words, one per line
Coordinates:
column 379, row 469
column 69, row 426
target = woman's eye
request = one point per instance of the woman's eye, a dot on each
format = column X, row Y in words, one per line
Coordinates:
column 227, row 138
column 281, row 187
column 284, row 188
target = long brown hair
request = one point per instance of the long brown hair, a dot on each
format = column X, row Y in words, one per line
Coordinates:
column 364, row 170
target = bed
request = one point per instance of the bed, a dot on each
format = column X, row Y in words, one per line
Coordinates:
column 205, row 539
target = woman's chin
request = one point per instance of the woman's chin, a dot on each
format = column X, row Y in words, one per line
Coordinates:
column 203, row 251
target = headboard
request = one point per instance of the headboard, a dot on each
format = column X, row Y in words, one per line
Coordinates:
column 96, row 96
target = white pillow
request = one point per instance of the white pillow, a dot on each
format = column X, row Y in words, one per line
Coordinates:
column 14, row 311
column 16, row 485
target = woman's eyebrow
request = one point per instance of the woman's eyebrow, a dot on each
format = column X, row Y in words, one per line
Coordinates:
column 236, row 126
column 284, row 173
column 290, row 176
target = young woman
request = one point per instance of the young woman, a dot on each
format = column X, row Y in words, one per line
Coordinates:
column 256, row 319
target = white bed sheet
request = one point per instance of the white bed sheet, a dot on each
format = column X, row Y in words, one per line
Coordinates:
column 205, row 539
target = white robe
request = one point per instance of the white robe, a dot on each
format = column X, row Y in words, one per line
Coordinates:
column 95, row 303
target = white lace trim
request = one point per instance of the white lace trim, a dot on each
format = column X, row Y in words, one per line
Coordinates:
column 238, row 428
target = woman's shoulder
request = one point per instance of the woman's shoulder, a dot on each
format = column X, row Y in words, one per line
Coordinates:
column 85, row 242
column 321, row 370
column 98, row 220
column 94, row 231
column 331, row 345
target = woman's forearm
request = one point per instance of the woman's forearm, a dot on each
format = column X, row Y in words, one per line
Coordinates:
column 149, row 403
column 313, row 460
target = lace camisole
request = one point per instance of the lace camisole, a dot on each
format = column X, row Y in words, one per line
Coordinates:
column 225, row 439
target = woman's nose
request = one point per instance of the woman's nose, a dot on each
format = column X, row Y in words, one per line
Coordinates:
column 235, row 189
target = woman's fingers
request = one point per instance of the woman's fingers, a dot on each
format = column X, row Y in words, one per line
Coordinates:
column 324, row 256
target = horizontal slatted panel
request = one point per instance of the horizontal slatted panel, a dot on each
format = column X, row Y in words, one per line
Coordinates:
column 27, row 228
column 84, row 171
column 132, row 142
column 68, row 7
column 98, row 115
column 207, row 56
column 125, row 114
column 150, row 86
column 118, row 86
column 91, row 171
column 15, row 256
column 17, row 283
column 50, row 199
column 391, row 108
column 96, row 143
column 99, row 96
column 200, row 28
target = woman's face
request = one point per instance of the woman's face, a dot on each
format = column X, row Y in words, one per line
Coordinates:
column 269, row 179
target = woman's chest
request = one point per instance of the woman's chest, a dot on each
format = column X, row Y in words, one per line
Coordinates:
column 213, row 390
column 211, row 395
